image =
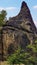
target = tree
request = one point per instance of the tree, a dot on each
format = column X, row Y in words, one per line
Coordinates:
column 3, row 14
column 28, row 57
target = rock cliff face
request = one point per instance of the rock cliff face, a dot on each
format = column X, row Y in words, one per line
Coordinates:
column 18, row 31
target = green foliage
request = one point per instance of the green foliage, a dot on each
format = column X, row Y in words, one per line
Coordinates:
column 33, row 47
column 25, row 57
column 2, row 17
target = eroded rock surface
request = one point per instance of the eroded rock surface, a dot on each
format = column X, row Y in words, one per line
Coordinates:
column 18, row 31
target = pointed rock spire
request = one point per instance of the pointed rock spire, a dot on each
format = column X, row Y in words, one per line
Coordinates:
column 23, row 4
column 24, row 17
column 24, row 9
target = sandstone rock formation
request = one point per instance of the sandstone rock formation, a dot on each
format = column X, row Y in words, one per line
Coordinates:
column 18, row 31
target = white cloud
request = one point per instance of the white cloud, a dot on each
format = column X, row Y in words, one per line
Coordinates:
column 35, row 23
column 35, row 7
column 7, row 8
column 10, row 8
column 1, row 8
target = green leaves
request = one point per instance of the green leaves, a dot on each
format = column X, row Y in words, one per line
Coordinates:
column 33, row 47
column 24, row 57
column 2, row 17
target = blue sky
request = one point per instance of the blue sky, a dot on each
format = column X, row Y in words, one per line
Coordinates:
column 13, row 7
